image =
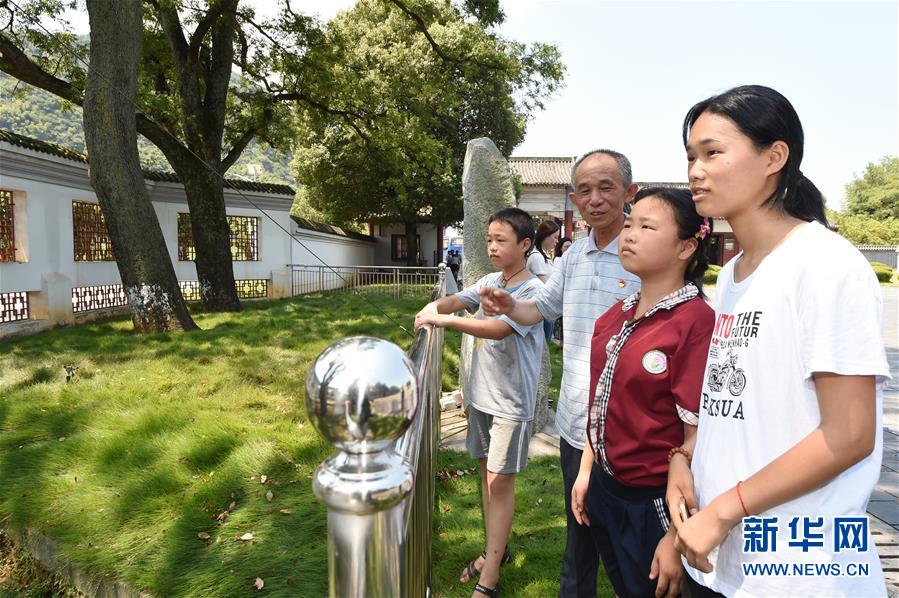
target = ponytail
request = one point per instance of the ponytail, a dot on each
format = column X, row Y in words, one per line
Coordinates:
column 803, row 200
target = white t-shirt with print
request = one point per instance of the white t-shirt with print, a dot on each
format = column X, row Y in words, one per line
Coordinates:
column 812, row 305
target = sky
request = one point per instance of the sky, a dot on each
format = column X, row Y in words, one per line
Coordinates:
column 634, row 68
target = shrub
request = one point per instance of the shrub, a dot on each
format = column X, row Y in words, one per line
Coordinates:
column 711, row 274
column 883, row 272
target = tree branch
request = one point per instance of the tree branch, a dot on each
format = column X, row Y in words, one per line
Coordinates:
column 423, row 27
column 347, row 115
column 16, row 63
column 237, row 149
column 204, row 26
column 186, row 68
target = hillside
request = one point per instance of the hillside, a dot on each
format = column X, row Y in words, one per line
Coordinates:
column 35, row 113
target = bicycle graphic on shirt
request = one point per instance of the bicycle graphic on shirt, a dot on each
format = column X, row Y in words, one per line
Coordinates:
column 728, row 374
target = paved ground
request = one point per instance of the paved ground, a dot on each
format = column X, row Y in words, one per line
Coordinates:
column 884, row 504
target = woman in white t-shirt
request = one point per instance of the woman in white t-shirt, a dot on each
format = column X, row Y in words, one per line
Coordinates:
column 539, row 262
column 789, row 432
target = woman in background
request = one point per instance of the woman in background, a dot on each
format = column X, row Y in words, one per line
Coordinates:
column 539, row 262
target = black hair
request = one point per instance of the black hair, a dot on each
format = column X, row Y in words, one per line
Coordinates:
column 766, row 116
column 546, row 229
column 519, row 220
column 689, row 223
column 562, row 241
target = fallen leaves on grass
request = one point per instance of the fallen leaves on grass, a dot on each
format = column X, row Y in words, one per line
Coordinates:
column 203, row 536
column 285, row 511
column 246, row 537
column 263, row 479
column 447, row 474
column 269, row 496
column 258, row 584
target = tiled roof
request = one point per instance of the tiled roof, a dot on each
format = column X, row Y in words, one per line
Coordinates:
column 331, row 229
column 542, row 172
column 556, row 172
column 168, row 177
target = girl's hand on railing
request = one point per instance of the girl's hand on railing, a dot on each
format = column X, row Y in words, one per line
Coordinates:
column 496, row 302
column 579, row 496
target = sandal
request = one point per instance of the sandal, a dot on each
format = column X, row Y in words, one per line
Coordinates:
column 472, row 570
column 489, row 592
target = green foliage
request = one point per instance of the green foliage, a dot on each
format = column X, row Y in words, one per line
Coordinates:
column 876, row 193
column 866, row 230
column 36, row 113
column 883, row 272
column 711, row 274
column 393, row 145
column 537, row 539
column 158, row 434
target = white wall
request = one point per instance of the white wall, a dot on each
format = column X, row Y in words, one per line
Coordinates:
column 49, row 184
column 543, row 200
column 49, row 237
column 429, row 242
column 334, row 250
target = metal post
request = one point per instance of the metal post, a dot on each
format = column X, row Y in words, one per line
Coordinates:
column 361, row 394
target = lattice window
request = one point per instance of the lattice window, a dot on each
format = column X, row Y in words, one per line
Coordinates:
column 7, row 227
column 398, row 249
column 13, row 307
column 252, row 288
column 244, row 238
column 190, row 289
column 97, row 297
column 92, row 242
column 186, row 250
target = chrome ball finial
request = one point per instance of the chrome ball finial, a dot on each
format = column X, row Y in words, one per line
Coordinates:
column 361, row 393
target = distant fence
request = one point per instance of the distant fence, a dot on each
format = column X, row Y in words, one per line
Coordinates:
column 393, row 280
column 885, row 254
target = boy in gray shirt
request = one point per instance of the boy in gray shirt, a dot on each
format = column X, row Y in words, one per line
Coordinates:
column 505, row 364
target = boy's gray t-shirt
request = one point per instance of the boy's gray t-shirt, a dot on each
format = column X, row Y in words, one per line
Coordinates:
column 503, row 378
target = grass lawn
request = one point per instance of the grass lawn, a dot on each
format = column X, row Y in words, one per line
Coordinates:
column 162, row 439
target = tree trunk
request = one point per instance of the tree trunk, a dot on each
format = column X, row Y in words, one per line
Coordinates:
column 148, row 278
column 211, row 235
column 412, row 248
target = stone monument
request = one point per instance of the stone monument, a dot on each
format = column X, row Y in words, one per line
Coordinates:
column 487, row 189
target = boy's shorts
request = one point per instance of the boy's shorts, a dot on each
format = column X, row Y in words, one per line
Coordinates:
column 504, row 442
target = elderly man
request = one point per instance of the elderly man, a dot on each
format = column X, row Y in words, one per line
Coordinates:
column 588, row 280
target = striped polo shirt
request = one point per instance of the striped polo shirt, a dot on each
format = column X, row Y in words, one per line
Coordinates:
column 587, row 281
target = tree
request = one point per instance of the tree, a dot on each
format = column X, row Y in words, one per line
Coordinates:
column 415, row 82
column 864, row 230
column 190, row 106
column 148, row 277
column 876, row 193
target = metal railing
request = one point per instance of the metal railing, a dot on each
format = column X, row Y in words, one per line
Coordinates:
column 391, row 280
column 380, row 407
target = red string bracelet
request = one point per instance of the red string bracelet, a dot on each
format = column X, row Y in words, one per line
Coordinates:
column 740, row 496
